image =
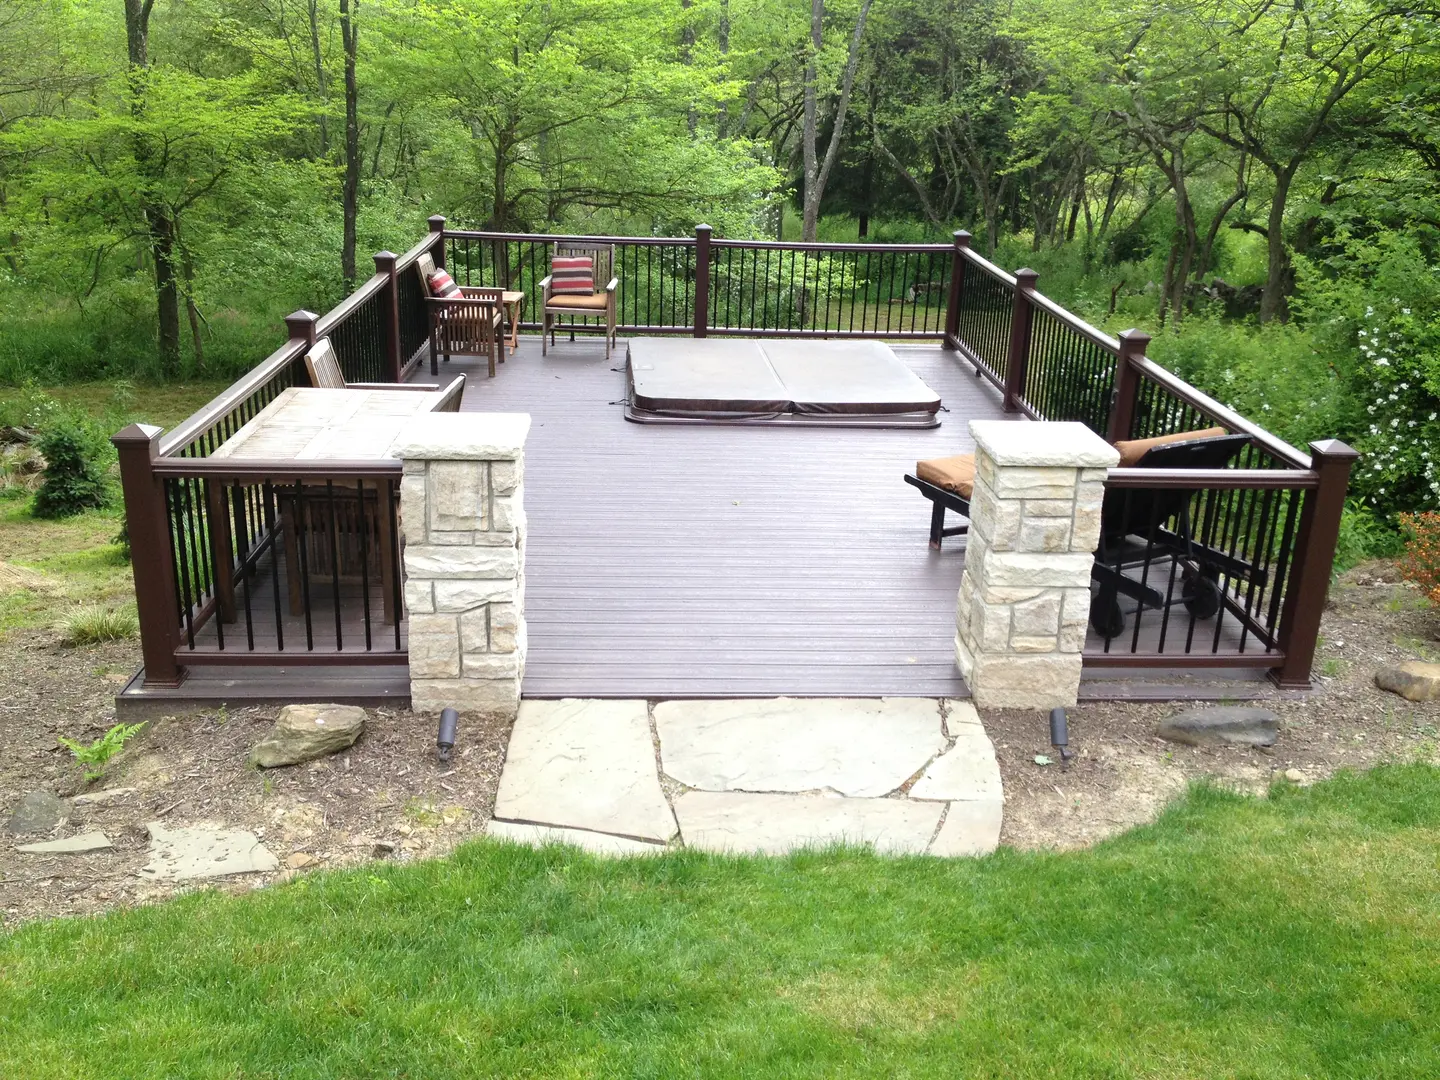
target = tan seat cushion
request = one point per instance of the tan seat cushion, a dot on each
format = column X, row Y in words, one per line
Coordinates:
column 594, row 302
column 955, row 474
column 1132, row 450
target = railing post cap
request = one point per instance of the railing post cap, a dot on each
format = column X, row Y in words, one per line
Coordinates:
column 302, row 316
column 962, row 238
column 1028, row 275
column 437, row 222
column 385, row 256
column 1334, row 449
column 1134, row 337
column 136, row 433
column 703, row 228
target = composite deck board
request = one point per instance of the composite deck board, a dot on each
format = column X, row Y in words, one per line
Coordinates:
column 705, row 561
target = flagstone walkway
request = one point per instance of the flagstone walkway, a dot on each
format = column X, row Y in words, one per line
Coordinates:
column 905, row 775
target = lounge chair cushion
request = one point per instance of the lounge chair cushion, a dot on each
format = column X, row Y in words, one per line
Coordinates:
column 595, row 301
column 573, row 275
column 955, row 474
column 1132, row 450
column 442, row 285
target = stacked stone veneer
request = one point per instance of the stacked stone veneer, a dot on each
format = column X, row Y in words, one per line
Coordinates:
column 1025, row 593
column 464, row 526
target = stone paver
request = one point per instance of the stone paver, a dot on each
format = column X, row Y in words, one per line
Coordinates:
column 776, row 824
column 585, row 764
column 971, row 828
column 593, row 842
column 966, row 771
column 71, row 845
column 860, row 748
column 188, row 853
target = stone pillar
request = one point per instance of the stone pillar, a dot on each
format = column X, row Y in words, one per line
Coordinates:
column 464, row 527
column 1025, row 594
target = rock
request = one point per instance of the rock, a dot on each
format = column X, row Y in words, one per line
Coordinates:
column 1414, row 681
column 71, row 845
column 103, row 796
column 1223, row 725
column 1295, row 776
column 584, row 764
column 971, row 828
column 776, row 824
column 304, row 732
column 189, row 853
column 966, row 771
column 593, row 842
column 38, row 812
column 300, row 859
column 859, row 747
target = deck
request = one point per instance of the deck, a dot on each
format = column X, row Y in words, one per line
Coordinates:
column 711, row 561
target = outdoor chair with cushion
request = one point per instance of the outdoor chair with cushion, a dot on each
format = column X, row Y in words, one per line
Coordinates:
column 1136, row 523
column 464, row 320
column 573, row 287
column 324, row 368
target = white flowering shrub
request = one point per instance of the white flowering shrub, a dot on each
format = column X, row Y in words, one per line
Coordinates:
column 1398, row 380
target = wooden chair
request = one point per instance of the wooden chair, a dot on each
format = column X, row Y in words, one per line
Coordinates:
column 467, row 325
column 324, row 368
column 599, row 302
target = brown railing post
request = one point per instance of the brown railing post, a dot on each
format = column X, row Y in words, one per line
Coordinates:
column 957, row 291
column 1314, row 558
column 152, row 559
column 702, row 279
column 1021, row 317
column 301, row 325
column 437, row 250
column 390, row 313
column 1127, row 384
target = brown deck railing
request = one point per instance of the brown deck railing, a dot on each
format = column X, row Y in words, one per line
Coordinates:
column 212, row 547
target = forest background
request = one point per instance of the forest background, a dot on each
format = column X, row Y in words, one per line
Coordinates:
column 1255, row 182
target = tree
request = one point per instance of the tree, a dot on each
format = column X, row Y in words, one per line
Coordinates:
column 817, row 172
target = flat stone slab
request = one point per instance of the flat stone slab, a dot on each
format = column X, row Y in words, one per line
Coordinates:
column 1414, row 681
column 1232, row 725
column 71, row 845
column 857, row 747
column 971, row 828
column 593, row 842
column 584, row 764
column 103, row 796
column 967, row 771
column 776, row 824
column 189, row 853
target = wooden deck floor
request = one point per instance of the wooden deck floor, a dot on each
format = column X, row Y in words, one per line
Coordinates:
column 700, row 561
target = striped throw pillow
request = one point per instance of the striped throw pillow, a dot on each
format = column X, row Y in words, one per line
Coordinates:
column 572, row 274
column 443, row 285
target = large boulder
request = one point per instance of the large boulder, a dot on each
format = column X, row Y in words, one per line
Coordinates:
column 304, row 732
column 1224, row 725
column 38, row 812
column 1414, row 681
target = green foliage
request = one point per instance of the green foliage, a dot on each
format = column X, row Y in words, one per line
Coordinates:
column 74, row 480
column 1363, row 536
column 96, row 625
column 98, row 753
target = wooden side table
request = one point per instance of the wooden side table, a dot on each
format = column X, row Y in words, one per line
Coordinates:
column 512, row 302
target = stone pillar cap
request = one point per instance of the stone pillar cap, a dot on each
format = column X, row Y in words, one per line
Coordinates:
column 1043, row 444
column 462, row 436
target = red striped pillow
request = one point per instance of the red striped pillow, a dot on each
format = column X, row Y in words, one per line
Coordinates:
column 443, row 285
column 572, row 274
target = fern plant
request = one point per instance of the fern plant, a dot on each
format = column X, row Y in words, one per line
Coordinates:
column 99, row 752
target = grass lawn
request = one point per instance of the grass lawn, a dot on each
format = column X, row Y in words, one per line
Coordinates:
column 1297, row 936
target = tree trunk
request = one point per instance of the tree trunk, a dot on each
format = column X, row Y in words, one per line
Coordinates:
column 816, row 172
column 350, row 189
column 321, row 90
column 158, row 225
column 1273, row 302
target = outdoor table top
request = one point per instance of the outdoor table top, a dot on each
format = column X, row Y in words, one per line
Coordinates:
column 308, row 424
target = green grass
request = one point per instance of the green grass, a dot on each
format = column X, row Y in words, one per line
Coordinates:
column 94, row 624
column 1297, row 936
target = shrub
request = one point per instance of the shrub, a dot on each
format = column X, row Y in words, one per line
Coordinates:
column 1421, row 563
column 1363, row 536
column 94, row 625
column 74, row 480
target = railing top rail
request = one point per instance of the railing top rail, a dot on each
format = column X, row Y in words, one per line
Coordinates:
column 1229, row 418
column 550, row 238
column 197, row 422
column 1237, row 479
column 976, row 259
column 797, row 245
column 425, row 244
column 279, row 469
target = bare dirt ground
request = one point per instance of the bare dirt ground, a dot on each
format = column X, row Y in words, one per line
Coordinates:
column 388, row 797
